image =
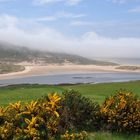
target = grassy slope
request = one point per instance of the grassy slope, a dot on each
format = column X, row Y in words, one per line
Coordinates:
column 98, row 91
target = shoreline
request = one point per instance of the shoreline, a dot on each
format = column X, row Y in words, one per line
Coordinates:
column 36, row 70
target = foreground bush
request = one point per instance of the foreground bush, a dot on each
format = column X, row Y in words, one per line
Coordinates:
column 78, row 112
column 68, row 117
column 121, row 113
column 38, row 120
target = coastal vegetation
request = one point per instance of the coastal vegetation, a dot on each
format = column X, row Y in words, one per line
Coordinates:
column 8, row 68
column 132, row 68
column 72, row 116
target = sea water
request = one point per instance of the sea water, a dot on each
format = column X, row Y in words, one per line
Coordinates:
column 96, row 77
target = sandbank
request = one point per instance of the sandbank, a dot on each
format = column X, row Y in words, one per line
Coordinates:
column 35, row 70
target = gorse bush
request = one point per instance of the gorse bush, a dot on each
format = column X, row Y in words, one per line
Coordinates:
column 69, row 116
column 121, row 112
column 37, row 120
column 78, row 112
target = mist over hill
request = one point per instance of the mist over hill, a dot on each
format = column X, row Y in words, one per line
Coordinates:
column 14, row 54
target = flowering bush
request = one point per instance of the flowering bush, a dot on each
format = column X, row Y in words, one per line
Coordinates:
column 54, row 117
column 36, row 120
column 121, row 112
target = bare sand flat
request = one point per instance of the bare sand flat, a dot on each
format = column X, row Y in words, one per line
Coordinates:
column 34, row 70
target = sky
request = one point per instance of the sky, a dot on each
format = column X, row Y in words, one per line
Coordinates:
column 90, row 28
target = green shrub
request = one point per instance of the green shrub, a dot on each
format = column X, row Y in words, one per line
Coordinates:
column 78, row 112
column 121, row 112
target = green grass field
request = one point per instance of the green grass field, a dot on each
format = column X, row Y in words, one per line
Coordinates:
column 97, row 92
column 110, row 136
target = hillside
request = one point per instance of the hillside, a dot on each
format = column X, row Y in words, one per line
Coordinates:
column 12, row 53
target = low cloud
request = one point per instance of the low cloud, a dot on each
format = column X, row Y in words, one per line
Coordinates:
column 90, row 44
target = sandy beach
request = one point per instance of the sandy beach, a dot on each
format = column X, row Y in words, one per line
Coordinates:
column 34, row 70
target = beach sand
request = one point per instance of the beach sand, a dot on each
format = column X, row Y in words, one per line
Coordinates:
column 34, row 70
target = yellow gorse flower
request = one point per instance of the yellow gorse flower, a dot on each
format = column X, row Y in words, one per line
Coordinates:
column 53, row 99
column 31, row 107
column 52, row 105
column 31, row 122
column 2, row 111
column 80, row 136
column 16, row 106
column 32, row 128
